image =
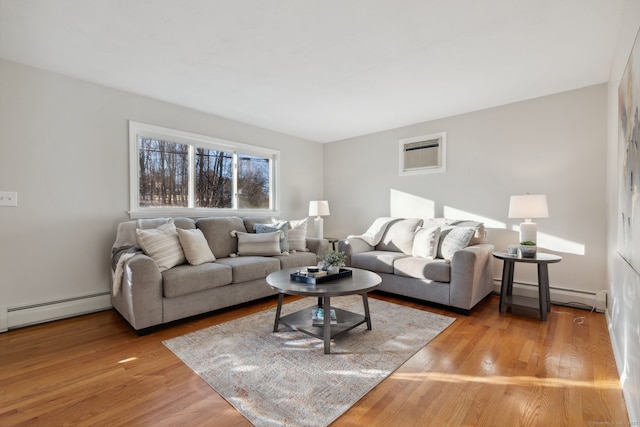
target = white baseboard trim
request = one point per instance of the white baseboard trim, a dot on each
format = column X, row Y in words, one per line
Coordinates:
column 18, row 317
column 560, row 295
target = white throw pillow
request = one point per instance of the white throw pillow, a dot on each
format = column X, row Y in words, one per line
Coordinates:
column 297, row 234
column 195, row 246
column 453, row 239
column 425, row 242
column 162, row 244
column 260, row 244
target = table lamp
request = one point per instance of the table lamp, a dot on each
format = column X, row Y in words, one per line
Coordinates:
column 528, row 206
column 318, row 208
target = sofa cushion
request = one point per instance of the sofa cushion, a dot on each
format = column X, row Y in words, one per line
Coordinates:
column 399, row 235
column 187, row 279
column 217, row 232
column 282, row 226
column 422, row 268
column 297, row 259
column 184, row 223
column 254, row 244
column 195, row 246
column 162, row 244
column 248, row 268
column 250, row 222
column 425, row 242
column 378, row 261
column 453, row 239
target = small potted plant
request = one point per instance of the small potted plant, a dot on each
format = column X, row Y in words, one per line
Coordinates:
column 528, row 249
column 333, row 260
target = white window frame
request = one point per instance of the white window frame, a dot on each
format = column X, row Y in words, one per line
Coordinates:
column 194, row 141
column 442, row 154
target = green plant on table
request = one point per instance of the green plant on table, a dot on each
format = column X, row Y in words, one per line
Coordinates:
column 333, row 258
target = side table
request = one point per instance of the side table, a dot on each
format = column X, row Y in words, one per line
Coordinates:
column 332, row 241
column 506, row 290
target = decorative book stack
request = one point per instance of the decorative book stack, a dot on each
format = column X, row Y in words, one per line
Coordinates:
column 317, row 316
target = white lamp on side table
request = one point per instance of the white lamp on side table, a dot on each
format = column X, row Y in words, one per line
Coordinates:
column 318, row 208
column 528, row 206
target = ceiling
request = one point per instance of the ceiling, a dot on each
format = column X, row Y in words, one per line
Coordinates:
column 323, row 70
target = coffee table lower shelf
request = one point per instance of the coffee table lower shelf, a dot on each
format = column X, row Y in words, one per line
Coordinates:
column 301, row 321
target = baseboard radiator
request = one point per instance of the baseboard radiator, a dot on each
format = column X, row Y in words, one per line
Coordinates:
column 560, row 296
column 31, row 314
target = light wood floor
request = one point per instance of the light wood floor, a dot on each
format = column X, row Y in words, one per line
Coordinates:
column 487, row 369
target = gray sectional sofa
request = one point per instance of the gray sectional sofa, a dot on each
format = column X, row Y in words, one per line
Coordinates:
column 436, row 260
column 169, row 269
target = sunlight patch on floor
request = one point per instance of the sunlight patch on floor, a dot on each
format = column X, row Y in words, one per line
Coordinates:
column 613, row 384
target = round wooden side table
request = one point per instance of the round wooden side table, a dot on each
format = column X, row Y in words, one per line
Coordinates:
column 543, row 303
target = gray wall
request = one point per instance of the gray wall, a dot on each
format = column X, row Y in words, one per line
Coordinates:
column 64, row 149
column 554, row 145
column 624, row 283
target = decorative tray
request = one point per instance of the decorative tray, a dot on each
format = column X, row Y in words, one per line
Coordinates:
column 303, row 276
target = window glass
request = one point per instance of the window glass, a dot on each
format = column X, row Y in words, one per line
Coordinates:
column 163, row 173
column 214, row 179
column 253, row 182
column 176, row 173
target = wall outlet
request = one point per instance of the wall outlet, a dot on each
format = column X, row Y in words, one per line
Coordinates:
column 8, row 198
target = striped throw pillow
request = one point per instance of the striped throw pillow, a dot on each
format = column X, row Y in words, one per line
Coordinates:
column 162, row 244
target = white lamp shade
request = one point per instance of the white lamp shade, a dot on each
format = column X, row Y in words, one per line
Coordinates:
column 528, row 206
column 318, row 208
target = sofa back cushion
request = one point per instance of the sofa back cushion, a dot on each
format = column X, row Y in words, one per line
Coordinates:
column 398, row 237
column 217, row 231
column 250, row 222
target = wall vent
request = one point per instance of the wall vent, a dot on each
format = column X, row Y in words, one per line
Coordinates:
column 423, row 154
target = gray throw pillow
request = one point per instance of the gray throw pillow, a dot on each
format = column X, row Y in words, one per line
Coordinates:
column 282, row 226
column 453, row 239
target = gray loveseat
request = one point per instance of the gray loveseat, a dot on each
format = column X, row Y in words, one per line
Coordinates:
column 436, row 260
column 216, row 263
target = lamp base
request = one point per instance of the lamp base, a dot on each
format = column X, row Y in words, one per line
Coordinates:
column 528, row 232
column 318, row 224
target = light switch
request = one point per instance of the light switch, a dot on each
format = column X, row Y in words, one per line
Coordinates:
column 8, row 198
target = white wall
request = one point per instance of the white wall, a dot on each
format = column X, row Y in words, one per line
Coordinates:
column 554, row 145
column 64, row 149
column 624, row 283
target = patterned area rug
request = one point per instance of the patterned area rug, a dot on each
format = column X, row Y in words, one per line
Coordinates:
column 285, row 378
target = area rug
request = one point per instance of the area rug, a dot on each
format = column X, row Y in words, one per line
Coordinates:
column 284, row 378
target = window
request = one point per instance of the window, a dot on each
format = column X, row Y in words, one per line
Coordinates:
column 423, row 154
column 179, row 173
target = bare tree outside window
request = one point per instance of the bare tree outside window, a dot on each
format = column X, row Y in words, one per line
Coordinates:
column 253, row 182
column 164, row 173
column 214, row 179
column 177, row 173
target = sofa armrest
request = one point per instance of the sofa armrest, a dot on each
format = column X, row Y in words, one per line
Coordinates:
column 471, row 275
column 140, row 297
column 353, row 246
column 317, row 245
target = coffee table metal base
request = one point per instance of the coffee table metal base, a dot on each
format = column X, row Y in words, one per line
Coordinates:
column 301, row 320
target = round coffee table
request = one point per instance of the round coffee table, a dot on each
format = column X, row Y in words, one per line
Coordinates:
column 360, row 282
